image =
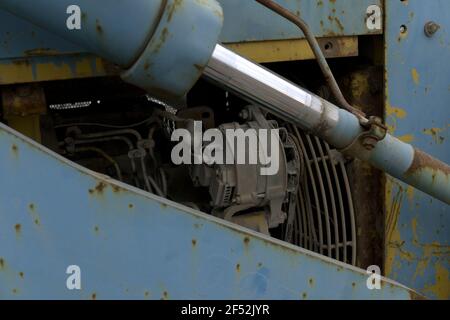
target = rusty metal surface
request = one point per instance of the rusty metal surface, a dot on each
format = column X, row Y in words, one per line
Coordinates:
column 23, row 100
column 417, row 111
column 46, row 68
column 295, row 49
column 327, row 18
column 423, row 161
column 364, row 88
column 131, row 244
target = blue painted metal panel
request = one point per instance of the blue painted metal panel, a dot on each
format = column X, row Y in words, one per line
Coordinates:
column 132, row 244
column 162, row 45
column 101, row 31
column 418, row 97
column 325, row 18
column 18, row 37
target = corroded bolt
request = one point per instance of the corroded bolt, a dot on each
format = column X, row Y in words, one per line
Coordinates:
column 244, row 114
column 431, row 28
column 369, row 143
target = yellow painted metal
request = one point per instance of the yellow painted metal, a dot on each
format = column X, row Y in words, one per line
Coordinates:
column 294, row 49
column 26, row 71
column 23, row 106
column 28, row 126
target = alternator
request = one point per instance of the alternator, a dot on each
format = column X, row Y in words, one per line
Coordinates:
column 241, row 189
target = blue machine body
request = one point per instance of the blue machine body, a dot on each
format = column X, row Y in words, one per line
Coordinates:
column 132, row 244
column 142, row 40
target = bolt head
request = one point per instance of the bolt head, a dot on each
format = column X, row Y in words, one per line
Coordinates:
column 244, row 114
column 431, row 28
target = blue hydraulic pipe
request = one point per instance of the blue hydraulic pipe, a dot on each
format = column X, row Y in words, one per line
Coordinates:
column 338, row 127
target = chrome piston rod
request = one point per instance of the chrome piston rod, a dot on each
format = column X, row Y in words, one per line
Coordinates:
column 338, row 127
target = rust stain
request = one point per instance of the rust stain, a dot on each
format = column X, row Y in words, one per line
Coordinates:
column 397, row 112
column 99, row 188
column 41, row 52
column 423, row 161
column 98, row 27
column 311, row 282
column 246, row 240
column 441, row 287
column 15, row 149
column 415, row 75
column 34, row 215
column 199, row 67
column 173, row 8
column 339, row 24
column 194, row 242
column 435, row 133
column 162, row 39
column 394, row 242
column 21, row 275
column 238, row 267
column 18, row 228
column 407, row 138
column 2, row 263
column 415, row 296
column 94, row 296
column 116, row 189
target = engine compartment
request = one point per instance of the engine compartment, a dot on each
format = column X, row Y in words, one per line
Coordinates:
column 124, row 133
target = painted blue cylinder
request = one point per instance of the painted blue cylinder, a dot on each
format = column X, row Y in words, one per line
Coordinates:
column 179, row 50
column 118, row 34
column 163, row 45
column 393, row 156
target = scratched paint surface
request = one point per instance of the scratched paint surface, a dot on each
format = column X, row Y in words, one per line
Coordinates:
column 130, row 244
column 326, row 18
column 417, row 111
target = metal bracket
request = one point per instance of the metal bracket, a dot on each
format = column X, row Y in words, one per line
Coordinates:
column 376, row 131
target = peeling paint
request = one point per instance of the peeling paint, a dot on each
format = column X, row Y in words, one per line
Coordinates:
column 441, row 287
column 415, row 76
